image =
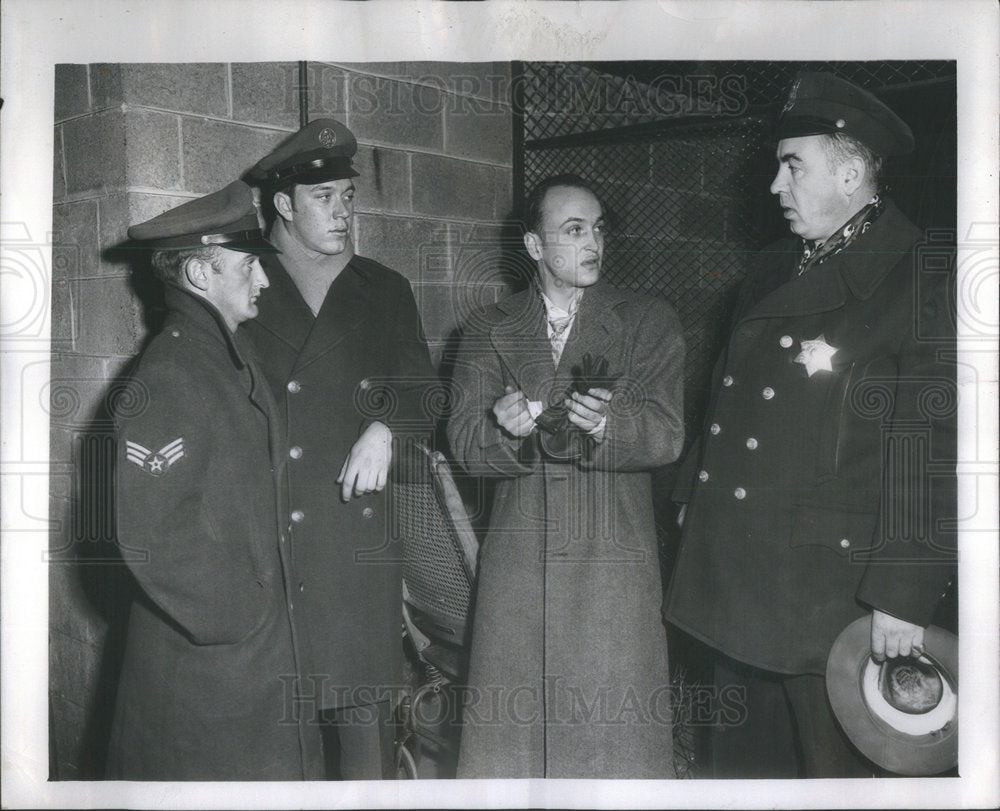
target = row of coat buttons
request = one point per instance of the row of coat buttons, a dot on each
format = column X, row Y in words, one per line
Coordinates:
column 752, row 442
column 298, row 516
column 295, row 387
column 767, row 392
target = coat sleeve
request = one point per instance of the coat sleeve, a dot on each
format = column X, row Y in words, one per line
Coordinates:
column 915, row 547
column 645, row 426
column 205, row 582
column 477, row 442
column 413, row 381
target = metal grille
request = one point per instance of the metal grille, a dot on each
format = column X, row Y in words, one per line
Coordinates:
column 680, row 153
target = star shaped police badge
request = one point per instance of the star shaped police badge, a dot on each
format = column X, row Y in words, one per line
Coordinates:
column 816, row 356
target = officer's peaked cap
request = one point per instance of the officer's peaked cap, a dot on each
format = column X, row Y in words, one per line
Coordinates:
column 821, row 103
column 320, row 151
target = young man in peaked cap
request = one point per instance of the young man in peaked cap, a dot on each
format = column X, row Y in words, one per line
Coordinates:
column 212, row 658
column 340, row 342
column 821, row 489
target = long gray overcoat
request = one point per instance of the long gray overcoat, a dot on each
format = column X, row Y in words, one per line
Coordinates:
column 569, row 674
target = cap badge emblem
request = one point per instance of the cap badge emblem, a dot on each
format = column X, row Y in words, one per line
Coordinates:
column 791, row 96
column 327, row 138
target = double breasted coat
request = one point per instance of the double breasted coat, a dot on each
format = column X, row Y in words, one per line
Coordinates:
column 568, row 672
column 826, row 472
column 361, row 358
column 212, row 657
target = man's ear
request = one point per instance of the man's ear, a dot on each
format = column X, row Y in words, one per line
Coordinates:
column 533, row 243
column 283, row 205
column 197, row 271
column 853, row 175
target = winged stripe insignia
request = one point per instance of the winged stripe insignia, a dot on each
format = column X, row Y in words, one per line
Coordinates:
column 158, row 462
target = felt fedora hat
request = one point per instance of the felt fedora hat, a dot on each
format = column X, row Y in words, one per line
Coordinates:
column 902, row 714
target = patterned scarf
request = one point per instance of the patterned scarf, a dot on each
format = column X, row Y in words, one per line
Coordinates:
column 815, row 253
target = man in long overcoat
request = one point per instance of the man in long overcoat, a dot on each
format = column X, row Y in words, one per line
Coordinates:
column 212, row 658
column 340, row 341
column 568, row 673
column 827, row 467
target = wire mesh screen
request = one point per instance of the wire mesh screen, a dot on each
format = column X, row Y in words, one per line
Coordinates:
column 680, row 153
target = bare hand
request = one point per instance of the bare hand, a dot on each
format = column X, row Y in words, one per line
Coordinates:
column 366, row 467
column 512, row 413
column 587, row 410
column 892, row 637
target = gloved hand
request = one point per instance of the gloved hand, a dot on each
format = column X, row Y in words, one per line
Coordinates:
column 558, row 437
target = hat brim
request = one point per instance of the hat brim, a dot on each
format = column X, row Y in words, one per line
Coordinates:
column 893, row 750
column 257, row 245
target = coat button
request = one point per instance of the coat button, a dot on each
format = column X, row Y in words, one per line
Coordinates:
column 294, row 386
column 844, row 543
column 727, row 381
column 295, row 452
column 752, row 443
column 297, row 516
column 740, row 493
column 175, row 333
column 703, row 476
column 786, row 341
column 767, row 393
column 365, row 384
column 715, row 428
column 367, row 512
column 302, row 586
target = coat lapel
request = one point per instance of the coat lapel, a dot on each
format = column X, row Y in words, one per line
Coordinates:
column 596, row 330
column 282, row 311
column 521, row 342
column 341, row 315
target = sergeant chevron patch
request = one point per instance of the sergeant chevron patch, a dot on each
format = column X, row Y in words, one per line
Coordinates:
column 158, row 462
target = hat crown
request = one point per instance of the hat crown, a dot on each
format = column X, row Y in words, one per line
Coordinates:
column 321, row 149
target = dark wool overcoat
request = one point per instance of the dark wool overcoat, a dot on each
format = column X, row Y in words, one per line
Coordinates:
column 817, row 497
column 211, row 656
column 362, row 358
column 569, row 674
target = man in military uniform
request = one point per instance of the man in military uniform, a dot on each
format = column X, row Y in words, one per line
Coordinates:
column 212, row 657
column 340, row 342
column 807, row 509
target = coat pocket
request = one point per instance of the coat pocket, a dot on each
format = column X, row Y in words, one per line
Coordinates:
column 838, row 529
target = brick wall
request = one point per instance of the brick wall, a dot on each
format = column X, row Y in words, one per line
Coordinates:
column 132, row 141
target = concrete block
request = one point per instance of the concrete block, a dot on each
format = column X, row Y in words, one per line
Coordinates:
column 267, row 93
column 186, row 87
column 384, row 180
column 106, row 88
column 152, row 149
column 484, row 80
column 478, row 129
column 58, row 172
column 72, row 96
column 65, row 319
column 452, row 188
column 503, row 199
column 94, row 147
column 216, row 153
column 112, row 321
column 404, row 244
column 75, row 251
column 388, row 111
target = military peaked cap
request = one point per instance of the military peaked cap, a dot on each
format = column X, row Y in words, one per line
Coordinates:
column 320, row 151
column 821, row 103
column 226, row 218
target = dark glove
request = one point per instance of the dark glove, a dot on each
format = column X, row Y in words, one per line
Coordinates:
column 558, row 437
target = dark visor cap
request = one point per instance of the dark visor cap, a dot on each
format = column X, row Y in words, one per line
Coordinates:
column 226, row 218
column 823, row 104
column 320, row 151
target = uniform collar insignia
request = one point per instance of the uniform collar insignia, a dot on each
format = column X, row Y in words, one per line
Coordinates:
column 816, row 356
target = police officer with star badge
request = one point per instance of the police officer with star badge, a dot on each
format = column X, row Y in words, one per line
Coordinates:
column 212, row 658
column 824, row 480
column 340, row 341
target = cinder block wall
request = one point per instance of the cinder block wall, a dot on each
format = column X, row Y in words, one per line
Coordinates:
column 134, row 140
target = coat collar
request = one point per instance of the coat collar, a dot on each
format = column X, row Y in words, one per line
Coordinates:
column 520, row 338
column 205, row 320
column 285, row 314
column 858, row 270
